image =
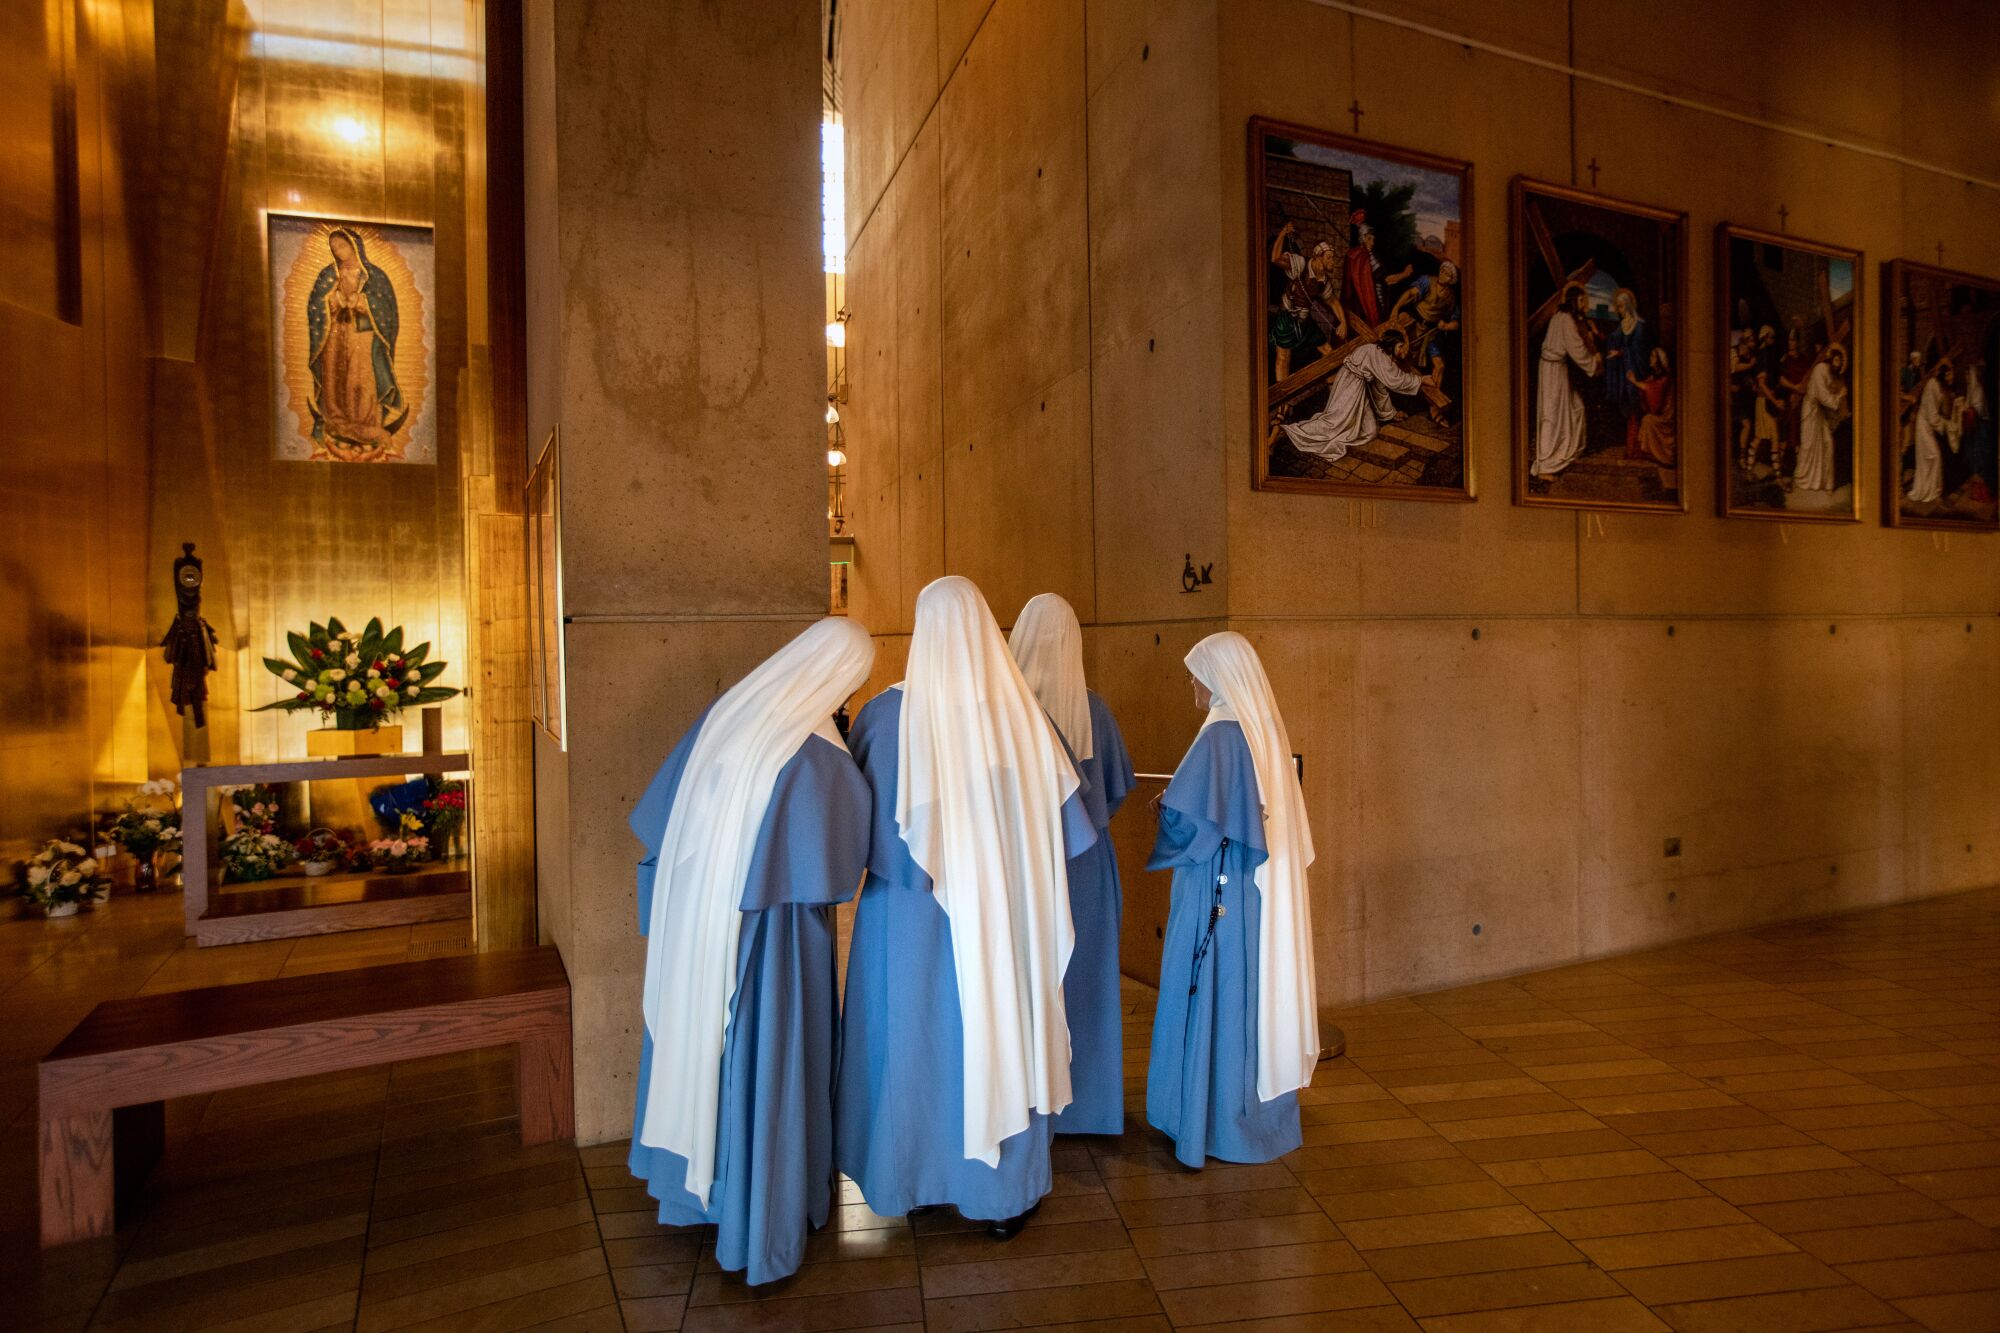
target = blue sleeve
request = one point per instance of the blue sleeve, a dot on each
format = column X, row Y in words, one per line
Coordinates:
column 814, row 842
column 1079, row 829
column 648, row 819
column 1114, row 764
column 1213, row 796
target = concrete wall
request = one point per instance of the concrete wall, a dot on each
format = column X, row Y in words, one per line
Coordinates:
column 674, row 338
column 1821, row 727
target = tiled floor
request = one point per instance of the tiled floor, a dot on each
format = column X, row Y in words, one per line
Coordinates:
column 1791, row 1128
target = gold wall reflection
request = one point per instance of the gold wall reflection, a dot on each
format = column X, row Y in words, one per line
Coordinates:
column 140, row 412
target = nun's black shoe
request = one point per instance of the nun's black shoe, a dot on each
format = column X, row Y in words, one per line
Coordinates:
column 1008, row 1228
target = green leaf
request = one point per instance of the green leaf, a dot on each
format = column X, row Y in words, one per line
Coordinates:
column 430, row 671
column 284, row 706
column 373, row 631
column 432, row 694
column 278, row 668
column 333, row 626
column 317, row 633
column 393, row 645
column 301, row 649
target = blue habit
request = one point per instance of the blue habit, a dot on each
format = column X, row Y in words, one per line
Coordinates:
column 774, row 1146
column 1096, row 902
column 899, row 1099
column 1201, row 1089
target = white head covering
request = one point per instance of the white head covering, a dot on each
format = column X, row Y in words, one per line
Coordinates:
column 1287, row 998
column 750, row 734
column 979, row 801
column 1048, row 644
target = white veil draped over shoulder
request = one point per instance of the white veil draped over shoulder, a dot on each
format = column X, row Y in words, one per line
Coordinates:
column 1048, row 643
column 748, row 737
column 982, row 782
column 1287, row 997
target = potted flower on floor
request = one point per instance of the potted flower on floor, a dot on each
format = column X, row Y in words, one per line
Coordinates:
column 249, row 856
column 62, row 877
column 320, row 852
column 144, row 833
column 395, row 856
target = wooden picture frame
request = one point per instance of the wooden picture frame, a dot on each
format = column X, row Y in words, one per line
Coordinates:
column 543, row 508
column 1621, row 256
column 1415, row 316
column 1939, row 314
column 1786, row 307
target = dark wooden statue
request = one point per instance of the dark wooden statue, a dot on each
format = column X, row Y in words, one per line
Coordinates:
column 190, row 640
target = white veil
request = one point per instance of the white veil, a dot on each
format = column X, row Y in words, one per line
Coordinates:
column 1048, row 644
column 983, row 778
column 1287, row 997
column 750, row 734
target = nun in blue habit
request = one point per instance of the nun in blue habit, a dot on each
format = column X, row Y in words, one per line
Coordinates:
column 954, row 1054
column 757, row 826
column 1048, row 643
column 1236, row 1033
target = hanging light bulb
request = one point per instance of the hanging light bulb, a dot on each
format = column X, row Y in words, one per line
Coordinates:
column 836, row 458
column 832, row 413
column 836, row 333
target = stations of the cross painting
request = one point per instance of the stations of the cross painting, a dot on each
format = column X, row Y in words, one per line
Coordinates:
column 1545, row 246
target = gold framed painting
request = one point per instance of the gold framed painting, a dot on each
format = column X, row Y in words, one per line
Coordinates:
column 1361, row 265
column 353, row 340
column 1600, row 302
column 1787, row 311
column 1940, row 348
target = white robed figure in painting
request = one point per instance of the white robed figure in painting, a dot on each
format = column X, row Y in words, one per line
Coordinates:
column 1820, row 410
column 1358, row 403
column 1559, row 421
column 1937, row 425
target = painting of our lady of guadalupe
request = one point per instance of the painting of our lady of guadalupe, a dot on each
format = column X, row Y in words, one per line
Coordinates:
column 354, row 344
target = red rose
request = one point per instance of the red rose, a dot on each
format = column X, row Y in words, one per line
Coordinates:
column 375, row 704
column 304, row 695
column 318, row 656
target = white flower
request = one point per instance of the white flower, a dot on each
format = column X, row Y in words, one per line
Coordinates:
column 338, row 674
column 410, row 675
column 38, row 875
column 71, row 879
column 384, row 692
column 373, row 674
column 412, row 691
column 354, row 659
column 291, row 675
column 152, row 823
column 87, row 866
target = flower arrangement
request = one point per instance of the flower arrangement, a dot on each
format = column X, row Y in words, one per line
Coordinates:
column 249, row 855
column 444, row 809
column 62, row 877
column 144, row 832
column 357, row 680
column 395, row 855
column 321, row 852
column 256, row 807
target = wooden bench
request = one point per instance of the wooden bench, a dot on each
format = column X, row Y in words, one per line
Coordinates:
column 102, row 1089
